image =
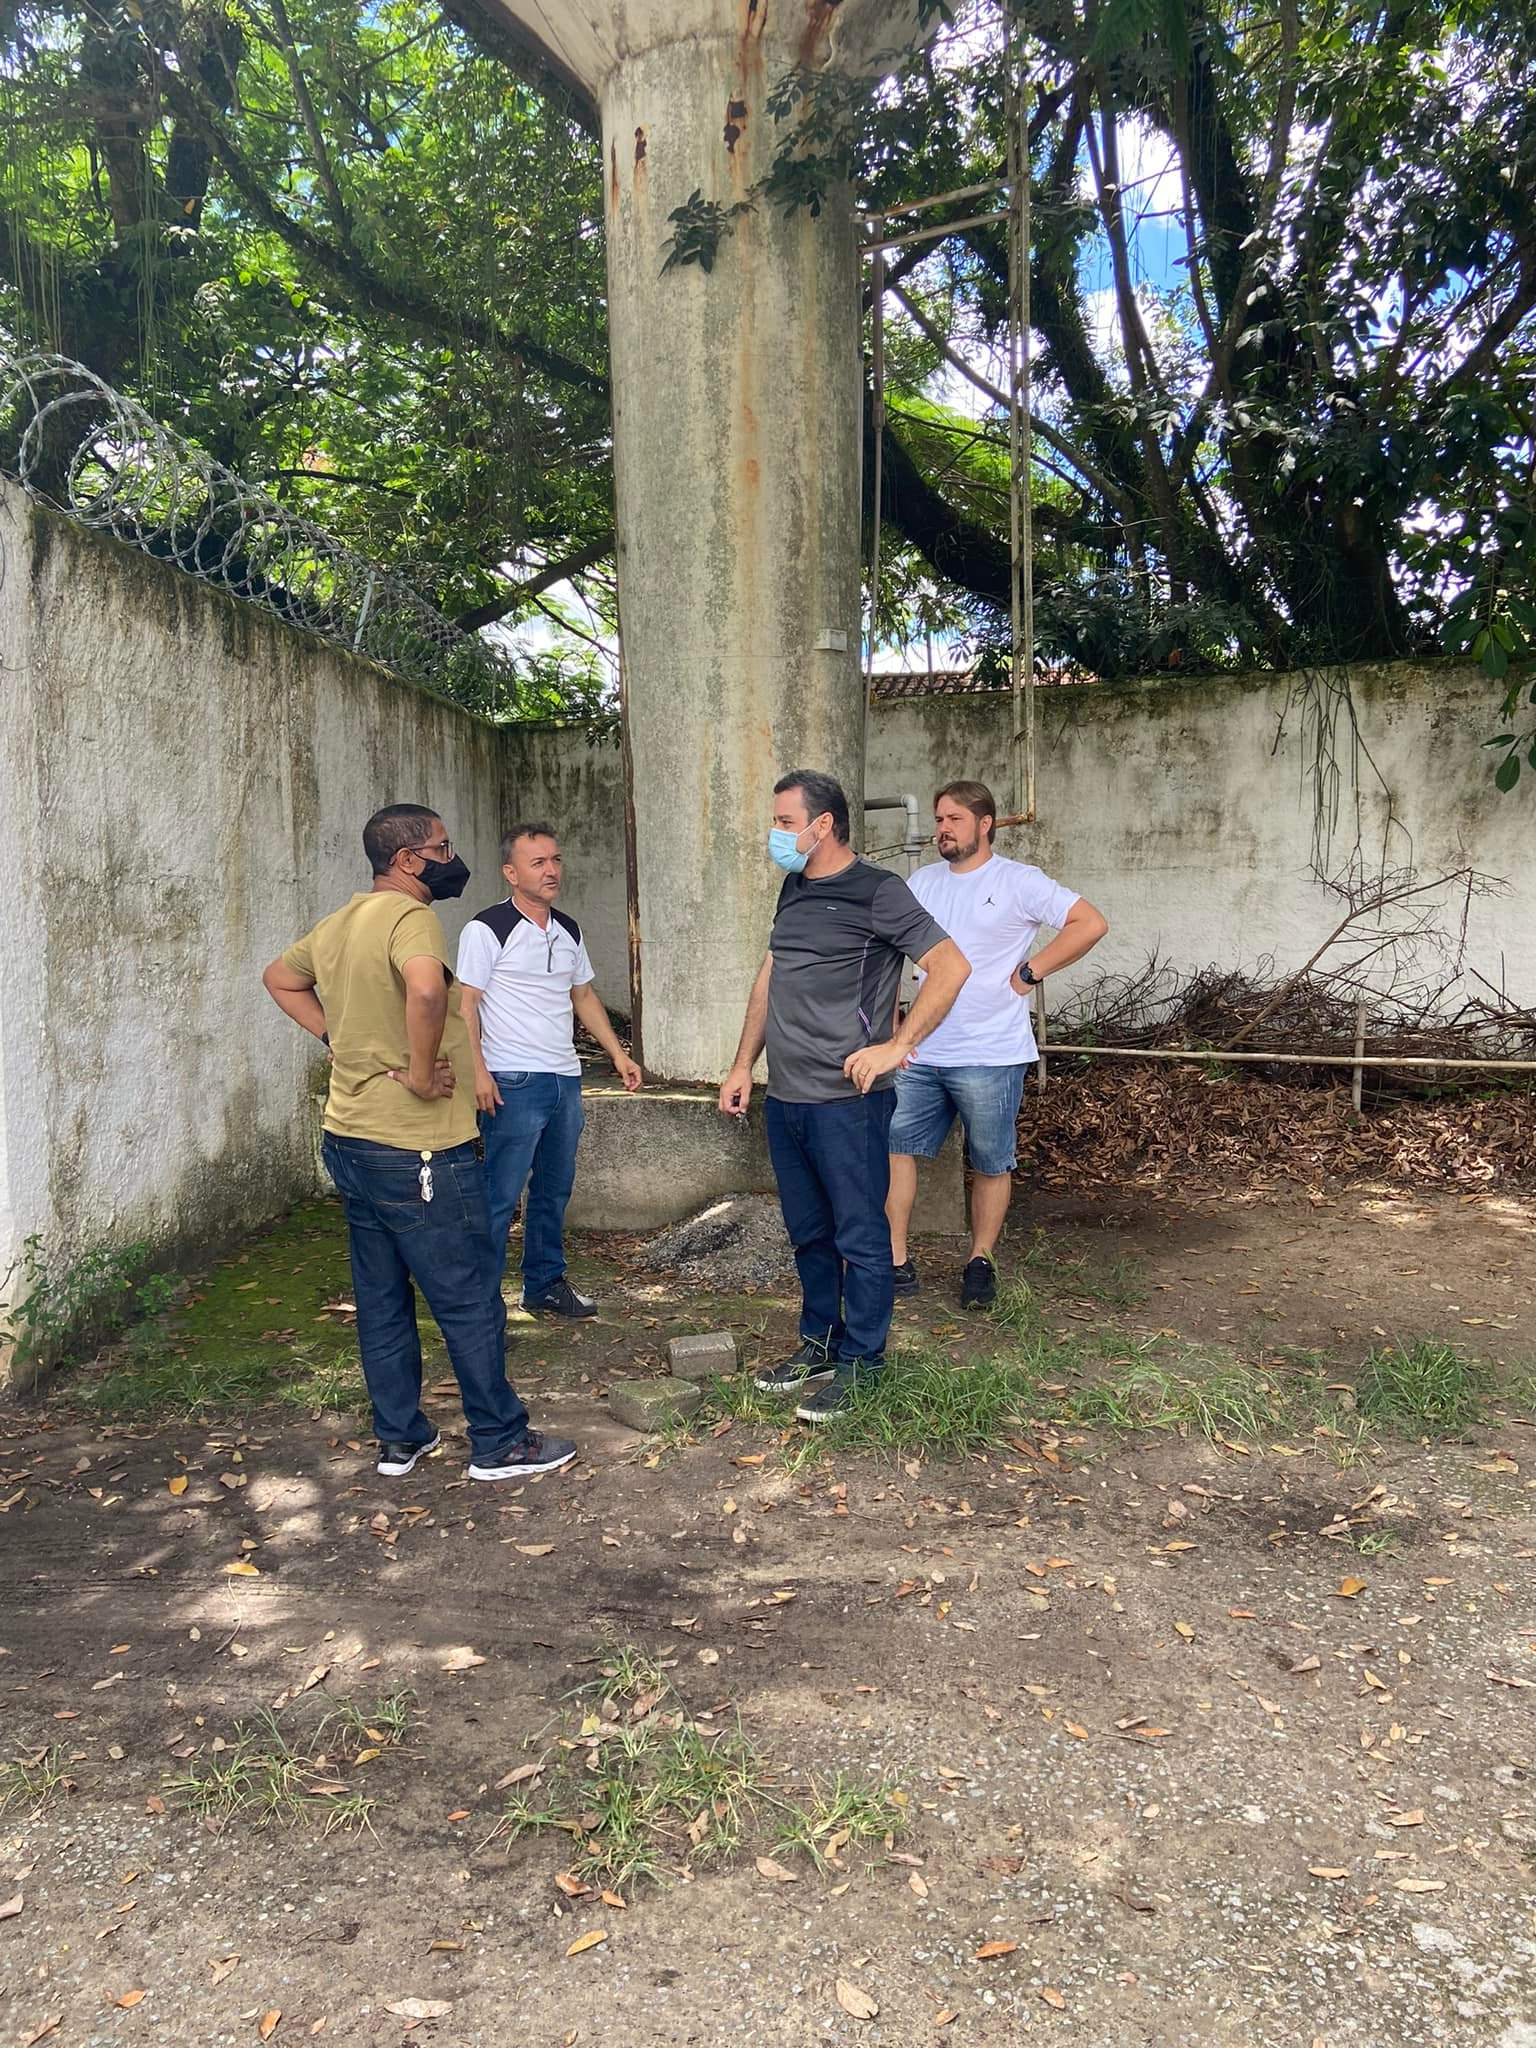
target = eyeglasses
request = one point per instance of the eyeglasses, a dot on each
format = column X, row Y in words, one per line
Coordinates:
column 435, row 849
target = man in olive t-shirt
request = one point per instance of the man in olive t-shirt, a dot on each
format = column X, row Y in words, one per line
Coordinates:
column 372, row 982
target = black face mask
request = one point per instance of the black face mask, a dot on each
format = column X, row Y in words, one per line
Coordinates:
column 443, row 877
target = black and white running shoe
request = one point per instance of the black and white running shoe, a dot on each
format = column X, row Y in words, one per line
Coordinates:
column 536, row 1453
column 395, row 1460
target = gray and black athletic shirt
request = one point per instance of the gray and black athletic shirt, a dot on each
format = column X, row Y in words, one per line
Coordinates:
column 837, row 949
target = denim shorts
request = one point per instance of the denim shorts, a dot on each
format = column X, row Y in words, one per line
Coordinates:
column 986, row 1100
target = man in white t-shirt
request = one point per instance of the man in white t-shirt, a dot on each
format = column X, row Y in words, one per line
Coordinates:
column 972, row 1065
column 525, row 980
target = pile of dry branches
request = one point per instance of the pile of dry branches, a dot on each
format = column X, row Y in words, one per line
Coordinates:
column 1133, row 1126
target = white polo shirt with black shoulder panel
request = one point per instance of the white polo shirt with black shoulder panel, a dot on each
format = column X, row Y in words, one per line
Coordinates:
column 525, row 973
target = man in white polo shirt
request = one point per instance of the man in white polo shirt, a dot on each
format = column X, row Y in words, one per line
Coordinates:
column 525, row 979
column 972, row 1065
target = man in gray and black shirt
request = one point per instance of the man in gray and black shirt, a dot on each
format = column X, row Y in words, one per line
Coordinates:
column 824, row 1004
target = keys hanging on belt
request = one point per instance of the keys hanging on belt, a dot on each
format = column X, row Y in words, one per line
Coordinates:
column 424, row 1177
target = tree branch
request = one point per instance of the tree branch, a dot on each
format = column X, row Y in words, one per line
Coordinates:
column 352, row 272
column 533, row 587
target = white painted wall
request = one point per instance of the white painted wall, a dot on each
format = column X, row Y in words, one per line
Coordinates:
column 1183, row 808
column 183, row 785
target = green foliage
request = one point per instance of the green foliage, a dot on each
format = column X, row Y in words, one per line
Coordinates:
column 57, row 1310
column 357, row 255
column 699, row 226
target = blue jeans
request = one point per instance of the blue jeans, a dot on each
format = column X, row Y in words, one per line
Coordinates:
column 832, row 1164
column 399, row 1243
column 531, row 1143
column 986, row 1100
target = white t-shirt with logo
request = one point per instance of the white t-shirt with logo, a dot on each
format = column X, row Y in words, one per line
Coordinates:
column 525, row 972
column 994, row 914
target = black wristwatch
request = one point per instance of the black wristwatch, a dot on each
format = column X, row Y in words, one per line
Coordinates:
column 1028, row 975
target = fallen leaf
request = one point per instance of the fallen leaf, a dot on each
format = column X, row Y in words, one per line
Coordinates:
column 178, row 1485
column 1419, row 1884
column 129, row 2000
column 585, row 1941
column 1415, row 1819
column 855, row 2002
column 220, row 1968
column 1324, row 1870
column 242, row 1568
column 462, row 1658
column 571, row 1886
column 9, row 1908
column 50, row 2025
column 916, row 1886
column 445, row 1948
column 1348, row 1588
column 1182, row 1628
column 950, row 2012
column 459, row 1813
column 709, row 1656
column 420, row 2008
column 518, row 1777
column 989, row 1949
column 613, row 1899
column 266, row 2026
column 154, row 1803
column 1053, row 1998
column 1076, row 1728
column 534, row 1549
column 766, row 1867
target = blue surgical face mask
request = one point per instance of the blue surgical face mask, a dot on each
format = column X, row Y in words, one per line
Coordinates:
column 784, row 847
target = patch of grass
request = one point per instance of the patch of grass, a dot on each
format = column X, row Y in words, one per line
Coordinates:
column 1425, row 1389
column 270, row 1779
column 31, row 1781
column 1214, row 1396
column 837, row 1814
column 642, row 1789
column 1047, row 1266
column 926, row 1401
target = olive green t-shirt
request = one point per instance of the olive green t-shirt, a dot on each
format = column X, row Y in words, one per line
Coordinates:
column 355, row 958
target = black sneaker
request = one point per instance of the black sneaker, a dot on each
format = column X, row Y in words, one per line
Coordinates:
column 395, row 1460
column 907, row 1281
column 978, row 1284
column 803, row 1368
column 561, row 1300
column 535, row 1453
column 839, row 1391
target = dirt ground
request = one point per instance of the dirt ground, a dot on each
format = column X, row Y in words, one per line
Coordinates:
column 1226, row 1745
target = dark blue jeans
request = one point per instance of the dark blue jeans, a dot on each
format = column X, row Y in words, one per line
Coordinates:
column 400, row 1243
column 531, row 1143
column 832, row 1163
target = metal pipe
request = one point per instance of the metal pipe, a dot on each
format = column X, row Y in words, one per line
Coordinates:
column 950, row 227
column 1288, row 1059
column 915, row 840
column 938, row 199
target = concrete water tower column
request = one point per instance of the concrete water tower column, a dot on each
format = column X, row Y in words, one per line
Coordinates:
column 736, row 408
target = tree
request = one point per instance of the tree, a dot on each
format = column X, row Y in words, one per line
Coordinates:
column 1283, row 280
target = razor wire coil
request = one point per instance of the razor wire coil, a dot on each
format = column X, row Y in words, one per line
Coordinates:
column 77, row 445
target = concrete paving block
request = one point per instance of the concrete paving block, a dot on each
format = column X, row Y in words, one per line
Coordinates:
column 650, row 1404
column 701, row 1358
